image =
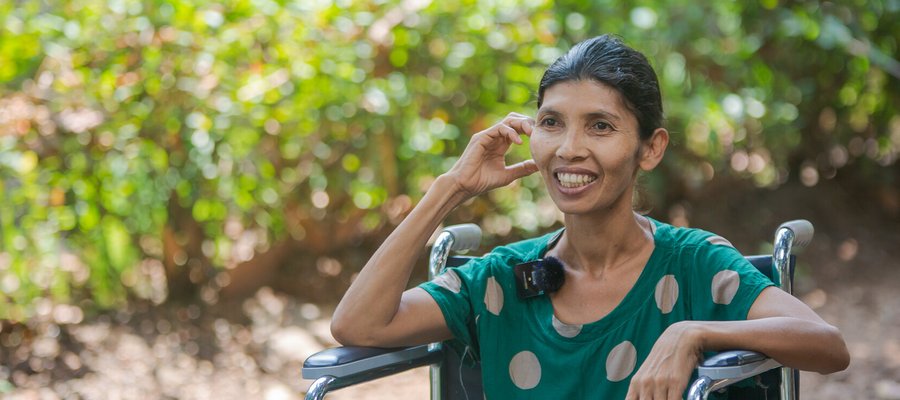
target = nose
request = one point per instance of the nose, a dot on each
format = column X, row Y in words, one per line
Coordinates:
column 571, row 146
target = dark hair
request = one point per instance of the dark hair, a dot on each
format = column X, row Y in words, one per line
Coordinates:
column 607, row 60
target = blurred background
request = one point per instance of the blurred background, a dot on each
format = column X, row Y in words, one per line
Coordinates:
column 188, row 187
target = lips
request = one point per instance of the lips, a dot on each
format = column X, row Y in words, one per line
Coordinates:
column 574, row 180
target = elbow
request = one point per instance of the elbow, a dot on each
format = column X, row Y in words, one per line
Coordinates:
column 344, row 327
column 342, row 332
column 838, row 363
column 339, row 332
column 347, row 334
column 838, row 355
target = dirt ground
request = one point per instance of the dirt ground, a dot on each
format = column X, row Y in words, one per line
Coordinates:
column 255, row 348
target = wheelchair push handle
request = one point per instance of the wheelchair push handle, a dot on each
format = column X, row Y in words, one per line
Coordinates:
column 453, row 238
column 803, row 232
column 465, row 237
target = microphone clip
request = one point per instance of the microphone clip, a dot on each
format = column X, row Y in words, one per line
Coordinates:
column 539, row 277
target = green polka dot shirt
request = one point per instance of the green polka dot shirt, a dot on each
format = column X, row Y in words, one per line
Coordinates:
column 526, row 353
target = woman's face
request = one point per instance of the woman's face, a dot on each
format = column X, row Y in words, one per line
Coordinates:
column 586, row 145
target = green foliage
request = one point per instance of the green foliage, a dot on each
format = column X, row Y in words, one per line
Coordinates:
column 141, row 139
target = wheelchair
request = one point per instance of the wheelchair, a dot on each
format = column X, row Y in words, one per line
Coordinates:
column 737, row 374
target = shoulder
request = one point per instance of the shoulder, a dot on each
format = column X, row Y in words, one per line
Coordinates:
column 681, row 237
column 524, row 250
column 697, row 250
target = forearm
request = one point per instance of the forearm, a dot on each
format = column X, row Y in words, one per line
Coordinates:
column 373, row 298
column 794, row 342
column 370, row 312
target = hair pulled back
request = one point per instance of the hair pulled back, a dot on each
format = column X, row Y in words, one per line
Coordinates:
column 607, row 60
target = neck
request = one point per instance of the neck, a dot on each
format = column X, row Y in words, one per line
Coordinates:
column 597, row 243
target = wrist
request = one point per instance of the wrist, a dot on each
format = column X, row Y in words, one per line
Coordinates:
column 448, row 184
column 696, row 333
column 439, row 200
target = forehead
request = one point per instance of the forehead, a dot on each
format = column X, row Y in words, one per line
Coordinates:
column 583, row 97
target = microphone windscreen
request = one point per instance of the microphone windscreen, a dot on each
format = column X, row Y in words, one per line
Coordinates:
column 551, row 275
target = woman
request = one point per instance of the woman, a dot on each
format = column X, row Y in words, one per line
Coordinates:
column 641, row 299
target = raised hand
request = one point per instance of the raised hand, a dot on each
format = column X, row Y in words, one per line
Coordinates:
column 376, row 311
column 482, row 166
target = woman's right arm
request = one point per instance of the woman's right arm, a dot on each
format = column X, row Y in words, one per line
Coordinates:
column 376, row 311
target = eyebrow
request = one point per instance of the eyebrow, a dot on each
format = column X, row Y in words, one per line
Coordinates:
column 590, row 115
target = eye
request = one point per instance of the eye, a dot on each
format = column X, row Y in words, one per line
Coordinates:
column 603, row 126
column 549, row 122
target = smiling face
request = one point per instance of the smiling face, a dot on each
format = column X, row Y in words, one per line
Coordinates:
column 587, row 147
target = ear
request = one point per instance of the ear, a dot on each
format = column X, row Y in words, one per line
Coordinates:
column 653, row 149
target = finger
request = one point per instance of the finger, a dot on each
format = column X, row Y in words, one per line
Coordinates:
column 522, row 169
column 516, row 115
column 632, row 393
column 660, row 392
column 520, row 123
column 646, row 393
column 492, row 134
column 675, row 392
column 510, row 133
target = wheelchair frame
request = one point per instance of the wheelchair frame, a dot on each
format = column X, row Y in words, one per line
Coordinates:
column 340, row 367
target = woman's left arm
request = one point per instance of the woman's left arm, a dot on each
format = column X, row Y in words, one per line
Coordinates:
column 781, row 327
column 778, row 325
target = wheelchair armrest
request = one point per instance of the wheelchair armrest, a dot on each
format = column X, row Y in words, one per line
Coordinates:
column 736, row 365
column 350, row 365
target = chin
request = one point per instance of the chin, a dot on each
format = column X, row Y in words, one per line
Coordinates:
column 575, row 209
column 589, row 208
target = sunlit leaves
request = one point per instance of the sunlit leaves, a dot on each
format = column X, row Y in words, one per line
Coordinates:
column 119, row 119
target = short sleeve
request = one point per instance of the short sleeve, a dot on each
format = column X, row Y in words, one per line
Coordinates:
column 453, row 291
column 724, row 284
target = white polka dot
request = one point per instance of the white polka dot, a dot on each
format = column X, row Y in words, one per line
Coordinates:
column 564, row 329
column 493, row 296
column 621, row 361
column 666, row 293
column 725, row 285
column 448, row 280
column 719, row 241
column 525, row 370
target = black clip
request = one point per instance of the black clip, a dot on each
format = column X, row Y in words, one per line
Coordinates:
column 539, row 277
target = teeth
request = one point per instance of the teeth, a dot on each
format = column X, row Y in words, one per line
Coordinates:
column 574, row 180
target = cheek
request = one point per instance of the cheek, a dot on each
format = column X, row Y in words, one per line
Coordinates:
column 619, row 160
column 536, row 146
column 542, row 142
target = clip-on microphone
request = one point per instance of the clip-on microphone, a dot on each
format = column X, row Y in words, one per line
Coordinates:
column 539, row 277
